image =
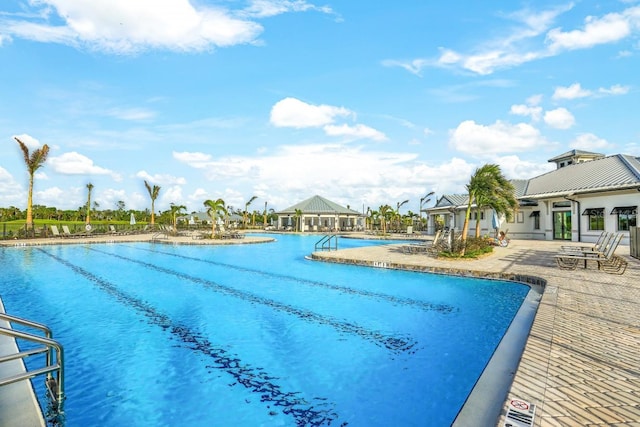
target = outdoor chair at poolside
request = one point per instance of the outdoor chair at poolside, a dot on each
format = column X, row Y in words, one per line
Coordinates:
column 416, row 248
column 55, row 232
column 67, row 233
column 606, row 260
column 602, row 242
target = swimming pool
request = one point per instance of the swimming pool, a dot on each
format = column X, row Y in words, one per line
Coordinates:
column 256, row 335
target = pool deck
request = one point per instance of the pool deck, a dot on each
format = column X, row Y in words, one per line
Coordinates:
column 581, row 362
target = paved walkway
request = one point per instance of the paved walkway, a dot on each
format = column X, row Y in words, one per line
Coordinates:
column 581, row 363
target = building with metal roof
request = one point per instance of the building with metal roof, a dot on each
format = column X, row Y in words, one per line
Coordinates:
column 577, row 201
column 319, row 214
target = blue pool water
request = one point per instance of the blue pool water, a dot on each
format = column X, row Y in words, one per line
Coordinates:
column 256, row 335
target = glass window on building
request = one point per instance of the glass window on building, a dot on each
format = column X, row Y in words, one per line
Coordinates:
column 626, row 216
column 596, row 218
column 536, row 219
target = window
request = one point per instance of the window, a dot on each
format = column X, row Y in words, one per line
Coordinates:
column 536, row 219
column 626, row 217
column 520, row 216
column 596, row 218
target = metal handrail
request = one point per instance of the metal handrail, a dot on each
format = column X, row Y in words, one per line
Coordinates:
column 55, row 385
column 325, row 242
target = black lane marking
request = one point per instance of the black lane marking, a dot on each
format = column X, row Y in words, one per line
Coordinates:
column 427, row 306
column 254, row 379
column 395, row 344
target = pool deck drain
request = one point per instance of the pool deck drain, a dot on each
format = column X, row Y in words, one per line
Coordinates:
column 581, row 362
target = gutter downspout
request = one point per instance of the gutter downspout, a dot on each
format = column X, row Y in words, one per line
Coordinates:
column 578, row 203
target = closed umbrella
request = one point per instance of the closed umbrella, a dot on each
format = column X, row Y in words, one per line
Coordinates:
column 496, row 221
column 132, row 220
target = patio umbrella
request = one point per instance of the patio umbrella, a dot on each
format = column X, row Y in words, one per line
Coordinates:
column 132, row 221
column 496, row 221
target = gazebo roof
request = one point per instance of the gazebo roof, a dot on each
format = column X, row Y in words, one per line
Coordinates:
column 318, row 205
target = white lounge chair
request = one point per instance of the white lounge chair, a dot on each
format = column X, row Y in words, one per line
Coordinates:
column 606, row 260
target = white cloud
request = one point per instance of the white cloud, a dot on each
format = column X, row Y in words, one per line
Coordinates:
column 357, row 131
column 607, row 29
column 589, row 141
column 116, row 25
column 194, row 159
column 291, row 112
column 526, row 110
column 576, row 91
column 31, row 142
column 531, row 39
column 515, row 168
column 500, row 137
column 161, row 179
column 288, row 173
column 172, row 194
column 267, row 8
column 571, row 92
column 74, row 163
column 560, row 118
column 414, row 67
column 132, row 114
column 10, row 191
column 614, row 90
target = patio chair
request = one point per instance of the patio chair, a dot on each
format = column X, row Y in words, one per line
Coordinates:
column 55, row 232
column 416, row 248
column 67, row 233
column 602, row 242
column 607, row 261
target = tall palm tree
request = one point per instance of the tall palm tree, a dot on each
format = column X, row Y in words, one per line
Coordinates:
column 245, row 213
column 215, row 209
column 153, row 193
column 488, row 187
column 175, row 211
column 89, row 187
column 385, row 211
column 264, row 215
column 397, row 215
column 297, row 216
column 34, row 161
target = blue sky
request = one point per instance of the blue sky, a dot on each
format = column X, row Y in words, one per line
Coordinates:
column 365, row 103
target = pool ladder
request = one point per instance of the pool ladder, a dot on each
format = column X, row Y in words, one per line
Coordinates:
column 54, row 371
column 325, row 242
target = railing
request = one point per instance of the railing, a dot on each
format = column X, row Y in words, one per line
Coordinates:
column 54, row 381
column 325, row 242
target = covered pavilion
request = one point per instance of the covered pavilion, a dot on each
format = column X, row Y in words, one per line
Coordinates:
column 321, row 215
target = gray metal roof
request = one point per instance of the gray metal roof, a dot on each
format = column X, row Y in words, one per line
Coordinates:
column 609, row 173
column 574, row 153
column 452, row 200
column 318, row 205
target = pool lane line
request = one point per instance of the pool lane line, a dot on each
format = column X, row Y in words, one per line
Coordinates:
column 396, row 344
column 254, row 379
column 400, row 301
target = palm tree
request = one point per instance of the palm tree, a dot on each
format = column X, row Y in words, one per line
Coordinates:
column 34, row 161
column 264, row 215
column 397, row 213
column 89, row 187
column 488, row 187
column 245, row 213
column 153, row 193
column 297, row 215
column 175, row 211
column 215, row 209
column 385, row 211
